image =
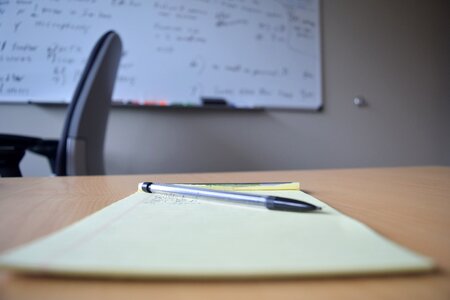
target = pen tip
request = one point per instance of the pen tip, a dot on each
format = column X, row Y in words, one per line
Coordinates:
column 279, row 203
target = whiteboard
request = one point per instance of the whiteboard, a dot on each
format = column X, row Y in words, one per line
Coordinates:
column 251, row 53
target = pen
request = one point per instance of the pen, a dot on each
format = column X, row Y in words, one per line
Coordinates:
column 270, row 202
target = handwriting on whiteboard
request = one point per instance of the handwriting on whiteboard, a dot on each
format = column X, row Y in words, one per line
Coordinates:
column 250, row 51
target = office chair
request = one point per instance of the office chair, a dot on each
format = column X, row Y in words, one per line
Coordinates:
column 79, row 151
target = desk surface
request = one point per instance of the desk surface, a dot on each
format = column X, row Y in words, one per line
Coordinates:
column 408, row 205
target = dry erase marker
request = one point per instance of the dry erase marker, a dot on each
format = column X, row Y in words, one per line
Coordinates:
column 270, row 202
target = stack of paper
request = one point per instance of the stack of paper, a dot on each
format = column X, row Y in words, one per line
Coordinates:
column 154, row 236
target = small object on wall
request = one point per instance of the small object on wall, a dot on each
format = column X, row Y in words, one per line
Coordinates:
column 360, row 101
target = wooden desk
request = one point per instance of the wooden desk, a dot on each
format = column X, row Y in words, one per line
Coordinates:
column 409, row 205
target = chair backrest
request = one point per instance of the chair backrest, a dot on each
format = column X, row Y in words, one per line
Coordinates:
column 80, row 149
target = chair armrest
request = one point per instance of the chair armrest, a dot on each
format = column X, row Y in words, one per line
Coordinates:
column 17, row 141
column 12, row 150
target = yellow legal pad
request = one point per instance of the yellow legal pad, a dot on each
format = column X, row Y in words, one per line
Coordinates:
column 154, row 236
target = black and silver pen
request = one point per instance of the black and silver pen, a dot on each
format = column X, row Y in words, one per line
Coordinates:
column 270, row 202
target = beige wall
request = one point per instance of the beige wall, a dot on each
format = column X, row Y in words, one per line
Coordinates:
column 394, row 53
